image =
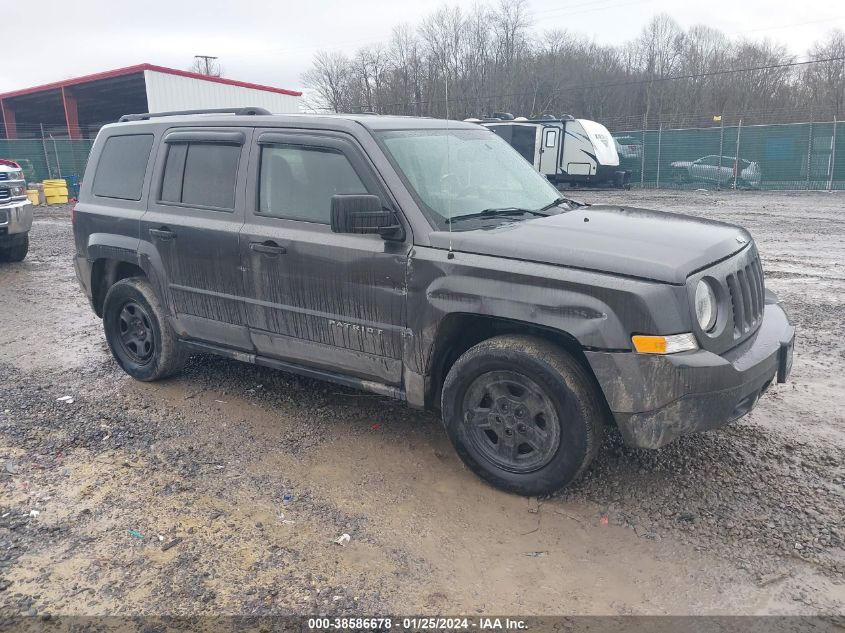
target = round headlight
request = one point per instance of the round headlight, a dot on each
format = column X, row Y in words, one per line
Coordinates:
column 705, row 305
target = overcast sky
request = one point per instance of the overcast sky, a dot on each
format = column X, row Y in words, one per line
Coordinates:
column 272, row 42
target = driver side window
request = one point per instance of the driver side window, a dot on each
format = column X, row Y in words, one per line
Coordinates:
column 297, row 182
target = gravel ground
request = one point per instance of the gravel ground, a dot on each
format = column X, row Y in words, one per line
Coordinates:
column 222, row 490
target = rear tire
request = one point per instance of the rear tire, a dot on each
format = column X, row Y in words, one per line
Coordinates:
column 16, row 253
column 138, row 333
column 522, row 414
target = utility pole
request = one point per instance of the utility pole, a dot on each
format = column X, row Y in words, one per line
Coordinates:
column 46, row 155
column 736, row 154
column 205, row 64
column 721, row 148
column 832, row 156
column 659, row 147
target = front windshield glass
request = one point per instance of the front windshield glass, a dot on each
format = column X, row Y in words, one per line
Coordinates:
column 463, row 172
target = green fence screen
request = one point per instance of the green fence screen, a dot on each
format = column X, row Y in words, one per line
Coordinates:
column 788, row 156
column 48, row 158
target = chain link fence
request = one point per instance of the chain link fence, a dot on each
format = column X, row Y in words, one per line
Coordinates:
column 790, row 156
column 47, row 158
column 776, row 156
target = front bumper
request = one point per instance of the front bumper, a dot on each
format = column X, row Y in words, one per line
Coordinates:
column 15, row 218
column 656, row 399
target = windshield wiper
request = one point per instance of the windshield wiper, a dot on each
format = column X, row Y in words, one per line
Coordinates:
column 562, row 200
column 501, row 212
column 553, row 203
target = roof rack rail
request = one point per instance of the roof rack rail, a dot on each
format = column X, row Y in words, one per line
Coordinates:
column 151, row 115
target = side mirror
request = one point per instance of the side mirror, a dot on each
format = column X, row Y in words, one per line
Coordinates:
column 363, row 214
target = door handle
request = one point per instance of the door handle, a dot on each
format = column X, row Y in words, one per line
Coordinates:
column 268, row 248
column 163, row 234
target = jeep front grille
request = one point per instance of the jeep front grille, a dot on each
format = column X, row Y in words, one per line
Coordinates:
column 5, row 194
column 747, row 298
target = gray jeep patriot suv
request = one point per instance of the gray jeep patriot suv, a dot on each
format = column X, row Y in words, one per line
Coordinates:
column 424, row 260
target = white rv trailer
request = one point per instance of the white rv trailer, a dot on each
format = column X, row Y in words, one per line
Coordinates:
column 569, row 152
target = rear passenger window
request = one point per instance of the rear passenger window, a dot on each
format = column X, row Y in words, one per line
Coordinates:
column 201, row 175
column 298, row 182
column 122, row 166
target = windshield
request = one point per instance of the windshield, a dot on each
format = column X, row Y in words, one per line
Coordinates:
column 466, row 172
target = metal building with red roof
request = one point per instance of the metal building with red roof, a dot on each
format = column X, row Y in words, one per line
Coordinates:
column 77, row 108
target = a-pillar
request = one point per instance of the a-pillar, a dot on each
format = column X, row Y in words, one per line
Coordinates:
column 71, row 114
column 9, row 122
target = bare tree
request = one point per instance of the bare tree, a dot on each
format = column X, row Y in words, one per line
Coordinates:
column 491, row 58
column 442, row 35
column 405, row 76
column 658, row 51
column 826, row 80
column 330, row 77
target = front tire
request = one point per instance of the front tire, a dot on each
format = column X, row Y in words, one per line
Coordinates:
column 523, row 414
column 139, row 336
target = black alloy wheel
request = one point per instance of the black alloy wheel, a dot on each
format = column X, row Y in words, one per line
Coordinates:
column 511, row 421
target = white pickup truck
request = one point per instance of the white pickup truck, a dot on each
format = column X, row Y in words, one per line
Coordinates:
column 15, row 213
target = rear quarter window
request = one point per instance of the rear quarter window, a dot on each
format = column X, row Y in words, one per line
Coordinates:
column 211, row 172
column 201, row 175
column 122, row 166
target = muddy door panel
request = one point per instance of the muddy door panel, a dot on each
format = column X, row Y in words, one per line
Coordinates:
column 323, row 299
column 193, row 226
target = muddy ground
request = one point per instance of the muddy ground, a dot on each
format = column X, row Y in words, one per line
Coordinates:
column 221, row 491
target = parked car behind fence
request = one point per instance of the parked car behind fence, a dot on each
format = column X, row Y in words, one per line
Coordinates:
column 629, row 147
column 719, row 170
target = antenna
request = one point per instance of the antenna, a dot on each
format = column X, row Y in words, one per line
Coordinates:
column 448, row 168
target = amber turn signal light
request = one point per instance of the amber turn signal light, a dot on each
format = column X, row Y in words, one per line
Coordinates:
column 664, row 344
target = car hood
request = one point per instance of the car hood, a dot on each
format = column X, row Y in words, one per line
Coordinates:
column 655, row 245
